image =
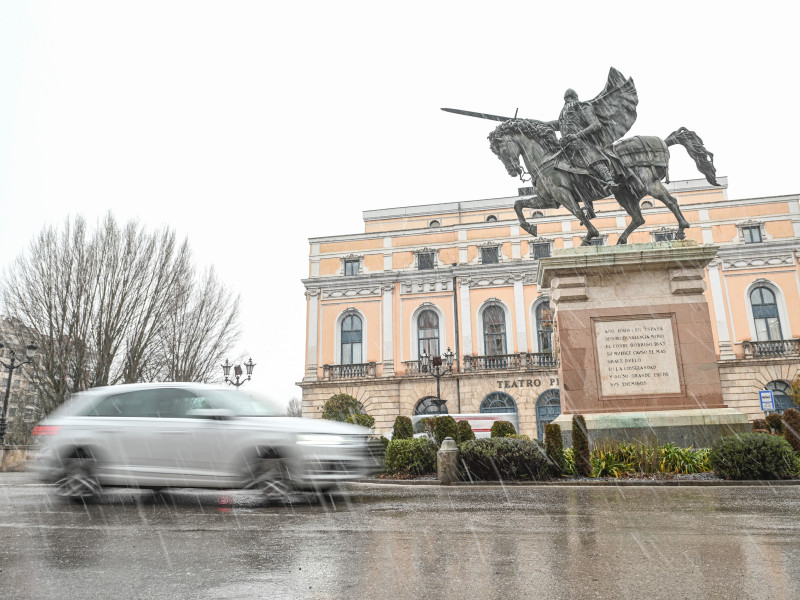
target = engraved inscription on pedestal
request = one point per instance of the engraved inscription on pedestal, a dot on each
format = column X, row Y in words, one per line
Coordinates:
column 637, row 357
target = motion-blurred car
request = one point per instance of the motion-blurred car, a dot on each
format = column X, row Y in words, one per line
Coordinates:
column 192, row 435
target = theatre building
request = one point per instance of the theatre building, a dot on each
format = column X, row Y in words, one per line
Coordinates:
column 463, row 276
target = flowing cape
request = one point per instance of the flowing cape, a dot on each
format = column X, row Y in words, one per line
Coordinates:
column 615, row 108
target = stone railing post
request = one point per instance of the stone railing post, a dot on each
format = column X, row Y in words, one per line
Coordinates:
column 447, row 462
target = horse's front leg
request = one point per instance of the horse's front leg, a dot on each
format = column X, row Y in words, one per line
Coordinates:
column 657, row 190
column 523, row 222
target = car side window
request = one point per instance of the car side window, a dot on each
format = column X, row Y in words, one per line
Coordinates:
column 163, row 403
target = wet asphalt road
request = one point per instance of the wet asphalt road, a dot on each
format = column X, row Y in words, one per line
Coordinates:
column 398, row 542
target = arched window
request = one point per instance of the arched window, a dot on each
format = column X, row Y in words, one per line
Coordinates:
column 780, row 392
column 494, row 330
column 351, row 340
column 430, row 405
column 548, row 407
column 498, row 402
column 537, row 214
column 433, row 224
column 428, row 333
column 765, row 314
column 491, row 219
column 544, row 327
column 647, row 204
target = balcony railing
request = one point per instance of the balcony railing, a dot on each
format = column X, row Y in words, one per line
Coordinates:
column 519, row 361
column 771, row 348
column 356, row 371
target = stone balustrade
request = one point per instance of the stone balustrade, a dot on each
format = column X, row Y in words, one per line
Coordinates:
column 356, row 371
column 771, row 348
column 519, row 361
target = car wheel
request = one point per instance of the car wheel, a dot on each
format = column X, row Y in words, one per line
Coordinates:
column 79, row 478
column 271, row 477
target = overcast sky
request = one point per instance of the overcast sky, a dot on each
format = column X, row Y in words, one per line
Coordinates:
column 251, row 126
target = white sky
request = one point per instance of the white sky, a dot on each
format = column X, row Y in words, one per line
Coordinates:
column 251, row 126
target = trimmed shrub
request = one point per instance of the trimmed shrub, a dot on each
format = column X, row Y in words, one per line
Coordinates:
column 791, row 428
column 403, row 429
column 340, row 406
column 502, row 429
column 760, row 425
column 361, row 419
column 752, row 456
column 410, row 458
column 442, row 427
column 465, row 432
column 580, row 446
column 554, row 444
column 505, row 458
column 775, row 423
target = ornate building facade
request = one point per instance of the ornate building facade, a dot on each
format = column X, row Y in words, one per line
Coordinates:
column 463, row 276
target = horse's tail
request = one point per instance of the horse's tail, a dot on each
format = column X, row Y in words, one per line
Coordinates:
column 694, row 146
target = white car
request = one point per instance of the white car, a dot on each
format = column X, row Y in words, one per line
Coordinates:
column 192, row 435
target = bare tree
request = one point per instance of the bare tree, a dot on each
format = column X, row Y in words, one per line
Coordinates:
column 295, row 408
column 118, row 305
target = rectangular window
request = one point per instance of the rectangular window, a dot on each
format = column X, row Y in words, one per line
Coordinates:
column 598, row 241
column 752, row 235
column 425, row 261
column 665, row 236
column 351, row 267
column 541, row 250
column 490, row 256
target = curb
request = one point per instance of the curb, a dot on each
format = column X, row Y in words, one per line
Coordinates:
column 603, row 483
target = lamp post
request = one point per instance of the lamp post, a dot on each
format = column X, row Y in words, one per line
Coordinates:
column 237, row 372
column 434, row 365
column 30, row 352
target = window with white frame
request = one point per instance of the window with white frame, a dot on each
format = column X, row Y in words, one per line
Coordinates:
column 540, row 249
column 494, row 330
column 490, row 255
column 426, row 260
column 765, row 314
column 544, row 327
column 752, row 234
column 351, row 338
column 428, row 332
column 351, row 266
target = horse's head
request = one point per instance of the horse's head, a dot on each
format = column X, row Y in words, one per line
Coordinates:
column 527, row 137
column 507, row 150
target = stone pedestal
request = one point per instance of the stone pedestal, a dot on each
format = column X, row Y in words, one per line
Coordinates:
column 634, row 336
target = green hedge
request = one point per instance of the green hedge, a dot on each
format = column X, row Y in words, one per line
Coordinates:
column 442, row 426
column 362, row 419
column 554, row 444
column 753, row 456
column 580, row 446
column 791, row 428
column 502, row 429
column 410, row 458
column 403, row 429
column 505, row 459
column 465, row 432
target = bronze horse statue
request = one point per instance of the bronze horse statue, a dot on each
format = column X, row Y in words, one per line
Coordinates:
column 639, row 164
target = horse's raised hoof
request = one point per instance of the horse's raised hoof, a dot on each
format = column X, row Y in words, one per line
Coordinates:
column 680, row 235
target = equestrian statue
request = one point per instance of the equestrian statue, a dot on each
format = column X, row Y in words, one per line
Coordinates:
column 590, row 161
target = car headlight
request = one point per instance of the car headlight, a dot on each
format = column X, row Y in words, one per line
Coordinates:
column 321, row 439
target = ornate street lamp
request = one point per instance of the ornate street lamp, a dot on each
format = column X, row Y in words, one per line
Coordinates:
column 237, row 371
column 434, row 365
column 30, row 352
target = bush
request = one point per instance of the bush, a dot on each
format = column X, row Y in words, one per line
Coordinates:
column 410, row 458
column 791, row 428
column 505, row 459
column 361, row 419
column 760, row 425
column 442, row 427
column 502, row 429
column 403, row 429
column 340, row 406
column 752, row 456
column 569, row 461
column 580, row 446
column 465, row 432
column 554, row 444
column 775, row 423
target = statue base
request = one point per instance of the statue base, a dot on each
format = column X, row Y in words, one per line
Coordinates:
column 633, row 335
column 698, row 428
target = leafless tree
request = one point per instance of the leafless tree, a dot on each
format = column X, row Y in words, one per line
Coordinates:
column 117, row 305
column 295, row 408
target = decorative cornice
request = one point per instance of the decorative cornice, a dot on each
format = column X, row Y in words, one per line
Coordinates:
column 757, row 261
column 351, row 293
